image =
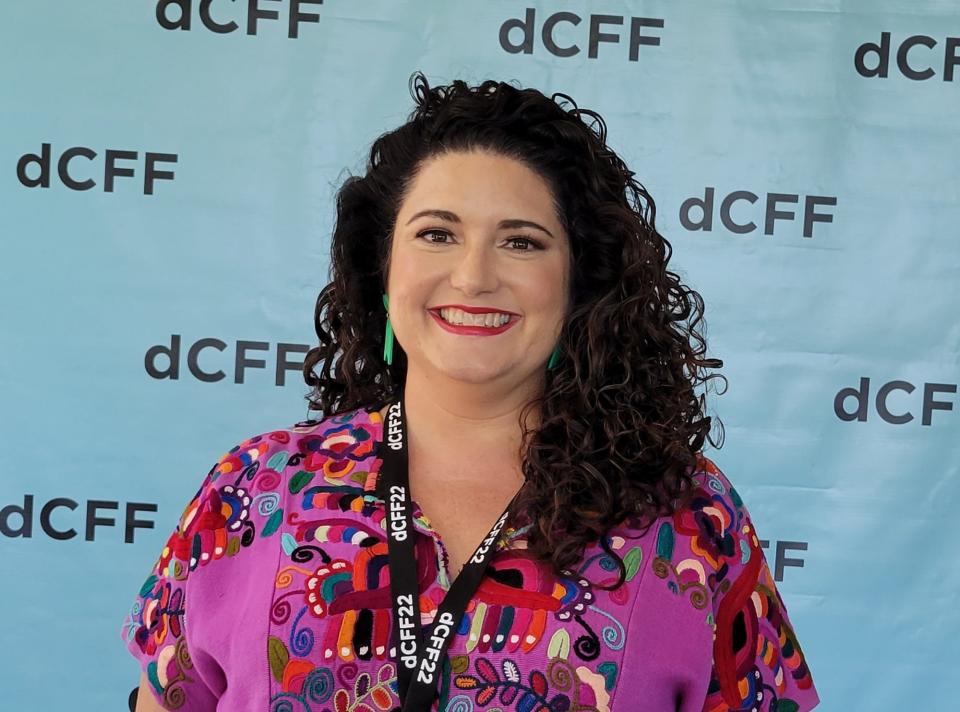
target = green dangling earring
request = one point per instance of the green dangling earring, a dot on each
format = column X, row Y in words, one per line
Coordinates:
column 554, row 357
column 388, row 336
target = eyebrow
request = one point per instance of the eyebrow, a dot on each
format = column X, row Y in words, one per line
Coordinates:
column 502, row 225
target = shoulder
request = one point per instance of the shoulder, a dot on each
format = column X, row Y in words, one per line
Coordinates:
column 708, row 542
column 239, row 502
column 308, row 445
column 236, row 515
column 239, row 498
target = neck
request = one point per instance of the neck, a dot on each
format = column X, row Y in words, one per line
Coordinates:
column 475, row 425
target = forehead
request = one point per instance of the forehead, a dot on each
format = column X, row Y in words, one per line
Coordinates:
column 480, row 185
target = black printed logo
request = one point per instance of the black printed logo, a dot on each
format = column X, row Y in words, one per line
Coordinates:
column 860, row 399
column 222, row 17
column 17, row 520
column 697, row 214
column 77, row 168
column 521, row 36
column 918, row 57
column 163, row 362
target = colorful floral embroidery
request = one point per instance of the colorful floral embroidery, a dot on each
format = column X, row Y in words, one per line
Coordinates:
column 746, row 617
column 529, row 640
column 333, row 589
column 214, row 524
column 573, row 688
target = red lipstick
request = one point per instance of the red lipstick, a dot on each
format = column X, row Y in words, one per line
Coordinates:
column 470, row 330
column 473, row 310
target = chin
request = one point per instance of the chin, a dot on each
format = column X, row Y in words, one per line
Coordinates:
column 480, row 374
column 469, row 371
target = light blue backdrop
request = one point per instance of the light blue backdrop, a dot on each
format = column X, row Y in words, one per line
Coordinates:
column 764, row 97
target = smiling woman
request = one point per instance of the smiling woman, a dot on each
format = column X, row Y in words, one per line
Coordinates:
column 505, row 503
column 480, row 266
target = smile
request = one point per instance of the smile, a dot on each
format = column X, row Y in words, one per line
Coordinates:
column 472, row 329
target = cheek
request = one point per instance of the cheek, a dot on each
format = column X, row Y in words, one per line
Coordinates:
column 546, row 292
column 409, row 280
column 401, row 267
column 411, row 296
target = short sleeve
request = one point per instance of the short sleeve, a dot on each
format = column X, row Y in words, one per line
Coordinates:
column 155, row 629
column 757, row 662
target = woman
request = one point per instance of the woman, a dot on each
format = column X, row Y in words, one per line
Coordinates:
column 508, row 376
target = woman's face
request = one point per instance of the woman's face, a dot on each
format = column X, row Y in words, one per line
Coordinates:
column 478, row 230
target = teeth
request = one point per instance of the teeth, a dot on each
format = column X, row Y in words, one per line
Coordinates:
column 460, row 317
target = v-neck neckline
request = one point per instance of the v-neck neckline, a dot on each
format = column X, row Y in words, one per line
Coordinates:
column 421, row 521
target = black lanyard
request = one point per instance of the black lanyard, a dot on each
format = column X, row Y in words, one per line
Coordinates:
column 419, row 658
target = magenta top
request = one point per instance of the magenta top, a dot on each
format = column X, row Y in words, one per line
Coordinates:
column 273, row 593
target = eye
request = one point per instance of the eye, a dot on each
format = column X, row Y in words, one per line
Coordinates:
column 534, row 244
column 433, row 232
column 528, row 244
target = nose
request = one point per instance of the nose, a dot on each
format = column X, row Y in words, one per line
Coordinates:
column 476, row 268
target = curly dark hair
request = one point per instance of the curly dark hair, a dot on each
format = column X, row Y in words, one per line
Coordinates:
column 620, row 425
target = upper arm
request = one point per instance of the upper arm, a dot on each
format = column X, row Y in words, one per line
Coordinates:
column 155, row 630
column 757, row 661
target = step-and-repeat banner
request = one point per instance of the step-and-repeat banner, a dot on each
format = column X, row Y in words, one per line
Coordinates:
column 167, row 174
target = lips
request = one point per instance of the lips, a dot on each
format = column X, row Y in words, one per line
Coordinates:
column 470, row 330
column 472, row 309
